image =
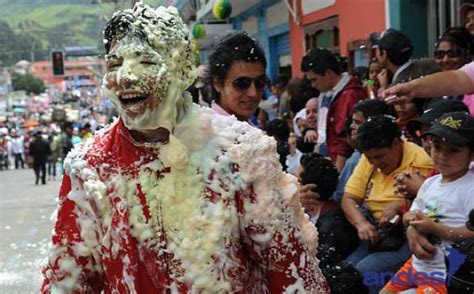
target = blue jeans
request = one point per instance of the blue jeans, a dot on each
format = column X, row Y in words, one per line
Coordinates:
column 384, row 261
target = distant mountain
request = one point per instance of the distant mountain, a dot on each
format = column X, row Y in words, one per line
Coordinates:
column 37, row 26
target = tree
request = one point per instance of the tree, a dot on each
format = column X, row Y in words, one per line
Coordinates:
column 28, row 83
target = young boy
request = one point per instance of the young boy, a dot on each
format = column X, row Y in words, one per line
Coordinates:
column 442, row 205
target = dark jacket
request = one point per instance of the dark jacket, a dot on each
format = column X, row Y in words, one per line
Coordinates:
column 339, row 110
column 40, row 150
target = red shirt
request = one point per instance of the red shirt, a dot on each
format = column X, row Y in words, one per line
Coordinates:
column 100, row 241
column 339, row 110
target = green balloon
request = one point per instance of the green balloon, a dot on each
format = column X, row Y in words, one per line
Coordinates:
column 221, row 9
column 198, row 31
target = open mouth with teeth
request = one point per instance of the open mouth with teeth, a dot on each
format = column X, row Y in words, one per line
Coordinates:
column 132, row 99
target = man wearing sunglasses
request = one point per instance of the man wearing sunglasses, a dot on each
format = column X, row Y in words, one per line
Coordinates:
column 339, row 93
column 237, row 75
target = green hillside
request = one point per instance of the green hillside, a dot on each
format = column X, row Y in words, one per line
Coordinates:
column 37, row 26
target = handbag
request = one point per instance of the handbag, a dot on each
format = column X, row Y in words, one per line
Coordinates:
column 391, row 234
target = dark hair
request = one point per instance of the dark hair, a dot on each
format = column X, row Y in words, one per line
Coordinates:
column 280, row 81
column 194, row 93
column 460, row 37
column 377, row 132
column 278, row 129
column 294, row 87
column 306, row 92
column 370, row 107
column 319, row 60
column 121, row 24
column 321, row 172
column 360, row 72
column 68, row 125
column 397, row 45
column 346, row 131
column 231, row 47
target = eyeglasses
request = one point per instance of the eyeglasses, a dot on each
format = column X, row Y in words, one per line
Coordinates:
column 242, row 84
column 451, row 53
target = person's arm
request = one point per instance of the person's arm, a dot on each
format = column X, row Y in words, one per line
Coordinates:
column 419, row 244
column 392, row 209
column 340, row 161
column 424, row 225
column 351, row 207
column 69, row 269
column 455, row 82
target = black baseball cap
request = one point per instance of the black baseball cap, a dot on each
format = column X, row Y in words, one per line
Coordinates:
column 393, row 41
column 434, row 111
column 455, row 128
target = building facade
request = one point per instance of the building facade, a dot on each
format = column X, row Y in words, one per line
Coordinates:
column 342, row 26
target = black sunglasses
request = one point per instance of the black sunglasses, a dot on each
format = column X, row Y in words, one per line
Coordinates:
column 451, row 53
column 242, row 84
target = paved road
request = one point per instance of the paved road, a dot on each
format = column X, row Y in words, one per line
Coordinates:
column 25, row 229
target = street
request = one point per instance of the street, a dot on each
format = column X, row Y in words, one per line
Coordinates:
column 25, row 227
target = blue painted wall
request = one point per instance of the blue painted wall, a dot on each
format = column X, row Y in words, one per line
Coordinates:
column 411, row 17
column 265, row 36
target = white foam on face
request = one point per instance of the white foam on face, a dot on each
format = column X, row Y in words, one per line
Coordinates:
column 160, row 67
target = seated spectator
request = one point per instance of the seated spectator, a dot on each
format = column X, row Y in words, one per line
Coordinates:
column 309, row 137
column 385, row 155
column 441, row 208
column 279, row 130
column 372, row 84
column 362, row 111
column 298, row 104
column 453, row 49
column 294, row 156
column 301, row 95
column 405, row 112
column 337, row 237
column 409, row 183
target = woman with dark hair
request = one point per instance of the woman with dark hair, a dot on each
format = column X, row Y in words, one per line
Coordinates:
column 237, row 75
column 454, row 49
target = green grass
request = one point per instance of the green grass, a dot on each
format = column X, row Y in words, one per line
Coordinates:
column 69, row 21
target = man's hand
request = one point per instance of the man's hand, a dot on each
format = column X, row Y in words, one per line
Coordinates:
column 408, row 184
column 399, row 93
column 391, row 210
column 419, row 244
column 311, row 136
column 308, row 199
column 367, row 231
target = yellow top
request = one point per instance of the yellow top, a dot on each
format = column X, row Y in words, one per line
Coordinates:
column 381, row 189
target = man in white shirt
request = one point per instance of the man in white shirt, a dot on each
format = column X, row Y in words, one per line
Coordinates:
column 17, row 149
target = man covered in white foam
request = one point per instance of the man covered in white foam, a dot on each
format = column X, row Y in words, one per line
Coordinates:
column 170, row 197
